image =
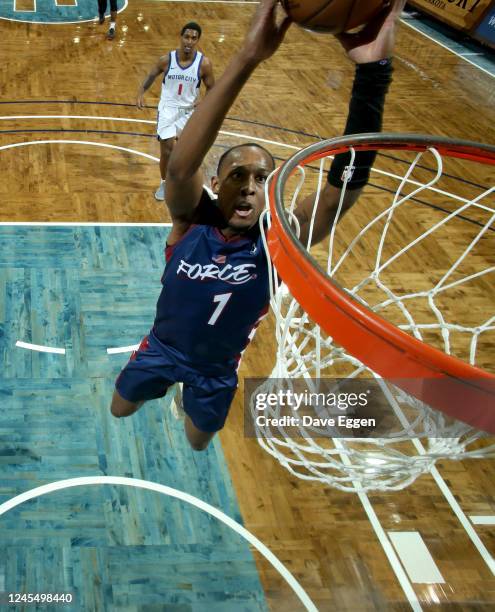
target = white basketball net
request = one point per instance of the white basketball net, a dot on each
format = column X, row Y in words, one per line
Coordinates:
column 434, row 301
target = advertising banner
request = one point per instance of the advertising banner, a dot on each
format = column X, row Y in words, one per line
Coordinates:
column 460, row 14
column 485, row 31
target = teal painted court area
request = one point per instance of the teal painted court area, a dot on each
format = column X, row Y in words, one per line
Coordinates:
column 86, row 289
column 51, row 12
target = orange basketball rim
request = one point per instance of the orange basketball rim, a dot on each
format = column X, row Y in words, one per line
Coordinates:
column 447, row 383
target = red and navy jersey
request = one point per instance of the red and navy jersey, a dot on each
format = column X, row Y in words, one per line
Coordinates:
column 215, row 291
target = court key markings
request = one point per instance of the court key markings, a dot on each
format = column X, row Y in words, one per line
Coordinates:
column 224, row 133
column 171, row 492
column 61, row 13
column 110, row 351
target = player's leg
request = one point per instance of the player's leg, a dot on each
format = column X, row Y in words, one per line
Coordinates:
column 197, row 439
column 172, row 124
column 121, row 407
column 166, row 131
column 206, row 402
column 166, row 146
column 113, row 19
column 102, row 7
column 145, row 377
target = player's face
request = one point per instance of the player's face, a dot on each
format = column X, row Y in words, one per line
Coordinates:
column 189, row 41
column 241, row 187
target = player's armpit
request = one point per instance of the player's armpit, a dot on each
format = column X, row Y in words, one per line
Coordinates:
column 162, row 64
column 183, row 193
column 178, row 231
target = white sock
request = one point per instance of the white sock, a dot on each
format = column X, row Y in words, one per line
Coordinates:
column 113, row 24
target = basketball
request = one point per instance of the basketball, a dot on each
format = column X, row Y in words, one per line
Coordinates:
column 332, row 16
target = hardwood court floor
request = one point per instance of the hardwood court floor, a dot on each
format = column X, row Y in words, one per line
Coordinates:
column 323, row 536
column 83, row 290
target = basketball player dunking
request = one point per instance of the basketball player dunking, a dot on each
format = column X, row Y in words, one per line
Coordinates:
column 184, row 69
column 215, row 284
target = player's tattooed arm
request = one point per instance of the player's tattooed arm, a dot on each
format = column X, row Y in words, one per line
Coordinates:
column 160, row 67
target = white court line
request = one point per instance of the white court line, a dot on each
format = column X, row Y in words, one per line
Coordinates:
column 397, row 568
column 451, row 500
column 387, row 547
column 58, row 22
column 273, row 142
column 122, row 349
column 190, row 499
column 91, row 117
column 82, row 224
column 235, row 134
column 79, row 142
column 132, row 120
column 407, row 22
column 40, row 348
column 482, row 520
column 415, row 557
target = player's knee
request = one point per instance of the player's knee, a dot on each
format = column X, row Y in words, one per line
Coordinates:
column 117, row 411
column 121, row 407
column 166, row 146
column 199, row 446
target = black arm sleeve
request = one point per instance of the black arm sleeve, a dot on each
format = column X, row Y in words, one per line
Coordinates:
column 371, row 83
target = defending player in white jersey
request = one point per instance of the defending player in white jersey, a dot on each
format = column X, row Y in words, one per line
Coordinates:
column 184, row 69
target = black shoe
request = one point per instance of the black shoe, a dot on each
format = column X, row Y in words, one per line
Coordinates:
column 101, row 19
column 111, row 34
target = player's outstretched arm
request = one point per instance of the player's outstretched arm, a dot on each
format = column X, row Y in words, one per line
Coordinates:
column 376, row 41
column 184, row 176
column 371, row 51
column 158, row 68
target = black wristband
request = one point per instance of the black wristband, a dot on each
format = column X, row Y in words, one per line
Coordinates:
column 371, row 83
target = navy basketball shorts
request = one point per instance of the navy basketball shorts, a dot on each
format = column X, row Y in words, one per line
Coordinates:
column 154, row 367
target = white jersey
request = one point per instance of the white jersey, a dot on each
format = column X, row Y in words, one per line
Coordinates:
column 180, row 86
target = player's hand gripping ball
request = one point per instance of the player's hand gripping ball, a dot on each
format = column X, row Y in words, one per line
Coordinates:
column 332, row 16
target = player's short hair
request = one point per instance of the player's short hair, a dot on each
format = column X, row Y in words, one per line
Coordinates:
column 192, row 25
column 244, row 144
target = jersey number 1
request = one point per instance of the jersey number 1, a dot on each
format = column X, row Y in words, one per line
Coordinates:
column 222, row 299
column 179, row 91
